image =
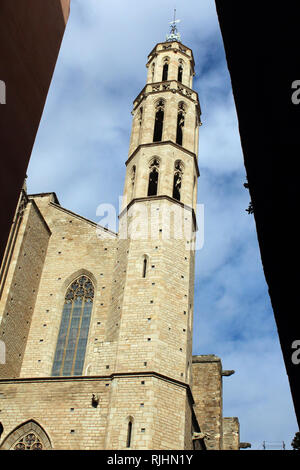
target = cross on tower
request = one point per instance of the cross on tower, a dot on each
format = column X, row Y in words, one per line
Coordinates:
column 174, row 34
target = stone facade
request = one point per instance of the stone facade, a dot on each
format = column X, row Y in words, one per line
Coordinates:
column 118, row 308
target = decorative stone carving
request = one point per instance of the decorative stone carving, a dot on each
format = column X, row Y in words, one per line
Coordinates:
column 201, row 435
column 227, row 373
column 29, row 442
column 155, row 87
column 95, row 400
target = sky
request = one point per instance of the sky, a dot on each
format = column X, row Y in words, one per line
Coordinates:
column 80, row 153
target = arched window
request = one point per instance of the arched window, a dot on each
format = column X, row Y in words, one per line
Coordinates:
column 159, row 121
column 180, row 123
column 145, row 264
column 132, row 181
column 140, row 121
column 180, row 70
column 153, row 177
column 129, row 432
column 140, row 116
column 165, row 69
column 178, row 172
column 194, row 189
column 74, row 328
column 27, row 436
column 153, row 71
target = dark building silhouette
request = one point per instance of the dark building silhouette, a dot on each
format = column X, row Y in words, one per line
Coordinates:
column 31, row 32
column 261, row 42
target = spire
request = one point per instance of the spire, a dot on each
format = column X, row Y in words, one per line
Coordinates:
column 174, row 34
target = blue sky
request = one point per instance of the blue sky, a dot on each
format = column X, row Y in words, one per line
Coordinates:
column 80, row 151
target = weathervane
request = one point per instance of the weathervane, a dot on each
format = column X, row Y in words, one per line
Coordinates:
column 174, row 34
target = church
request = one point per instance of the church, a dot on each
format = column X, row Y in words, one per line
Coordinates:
column 96, row 327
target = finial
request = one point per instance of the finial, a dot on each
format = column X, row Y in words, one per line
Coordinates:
column 174, row 34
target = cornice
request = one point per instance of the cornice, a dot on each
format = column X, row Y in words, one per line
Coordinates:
column 168, row 86
column 73, row 214
column 155, row 51
column 159, row 197
column 93, row 378
column 166, row 142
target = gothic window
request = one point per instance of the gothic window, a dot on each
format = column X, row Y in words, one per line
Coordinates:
column 74, row 328
column 140, row 120
column 180, row 123
column 153, row 70
column 140, row 115
column 27, row 436
column 129, row 432
column 145, row 263
column 194, row 188
column 178, row 172
column 29, row 442
column 159, row 120
column 153, row 177
column 180, row 71
column 132, row 181
column 165, row 69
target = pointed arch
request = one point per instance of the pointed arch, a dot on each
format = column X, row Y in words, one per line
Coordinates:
column 132, row 181
column 180, row 122
column 140, row 121
column 74, row 327
column 159, row 120
column 177, row 180
column 166, row 62
column 145, row 265
column 152, row 71
column 153, row 176
column 27, row 436
column 129, row 431
column 80, row 272
column 180, row 70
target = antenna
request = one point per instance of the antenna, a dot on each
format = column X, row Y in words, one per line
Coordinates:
column 174, row 34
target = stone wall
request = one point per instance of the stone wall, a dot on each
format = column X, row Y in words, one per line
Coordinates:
column 61, row 406
column 207, row 392
column 21, row 286
column 77, row 247
column 231, row 434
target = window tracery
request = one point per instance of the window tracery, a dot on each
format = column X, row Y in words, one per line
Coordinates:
column 74, row 328
column 165, row 69
column 29, row 442
column 153, row 177
column 153, row 71
column 180, row 122
column 178, row 173
column 159, row 120
column 180, row 71
column 132, row 180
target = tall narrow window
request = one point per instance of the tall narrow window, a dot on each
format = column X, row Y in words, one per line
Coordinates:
column 145, row 262
column 140, row 119
column 178, row 172
column 194, row 189
column 129, row 433
column 74, row 328
column 165, row 69
column 132, row 181
column 159, row 121
column 180, row 71
column 180, row 123
column 153, row 177
column 153, row 71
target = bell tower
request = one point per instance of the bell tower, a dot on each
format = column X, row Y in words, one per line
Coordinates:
column 166, row 119
column 152, row 312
